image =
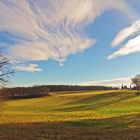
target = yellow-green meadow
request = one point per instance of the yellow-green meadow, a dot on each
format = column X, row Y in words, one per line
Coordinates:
column 107, row 112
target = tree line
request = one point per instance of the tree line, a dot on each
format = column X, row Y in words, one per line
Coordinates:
column 55, row 88
column 24, row 92
column 43, row 90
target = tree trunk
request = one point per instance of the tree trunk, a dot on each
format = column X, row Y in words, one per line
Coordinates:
column 138, row 90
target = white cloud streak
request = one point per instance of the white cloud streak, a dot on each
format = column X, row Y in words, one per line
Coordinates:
column 52, row 29
column 126, row 32
column 28, row 68
column 132, row 44
column 113, row 82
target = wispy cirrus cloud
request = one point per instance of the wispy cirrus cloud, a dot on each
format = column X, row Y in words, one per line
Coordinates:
column 132, row 44
column 126, row 32
column 28, row 68
column 52, row 29
column 112, row 82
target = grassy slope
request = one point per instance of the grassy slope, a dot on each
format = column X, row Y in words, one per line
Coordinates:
column 97, row 114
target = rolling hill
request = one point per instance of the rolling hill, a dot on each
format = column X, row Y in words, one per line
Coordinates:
column 81, row 115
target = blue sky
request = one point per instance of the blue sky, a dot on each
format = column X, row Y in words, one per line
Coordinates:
column 84, row 42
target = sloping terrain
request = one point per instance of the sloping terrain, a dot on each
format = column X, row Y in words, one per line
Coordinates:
column 74, row 115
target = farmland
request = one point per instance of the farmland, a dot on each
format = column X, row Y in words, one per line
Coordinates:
column 98, row 115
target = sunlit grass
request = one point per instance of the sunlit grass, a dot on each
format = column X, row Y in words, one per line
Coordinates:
column 72, row 107
column 89, row 112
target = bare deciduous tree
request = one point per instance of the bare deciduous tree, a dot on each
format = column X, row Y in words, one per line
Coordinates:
column 5, row 71
column 136, row 82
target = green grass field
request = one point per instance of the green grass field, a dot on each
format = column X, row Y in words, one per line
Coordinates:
column 99, row 115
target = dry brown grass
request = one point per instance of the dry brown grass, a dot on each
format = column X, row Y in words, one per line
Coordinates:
column 58, row 131
column 2, row 103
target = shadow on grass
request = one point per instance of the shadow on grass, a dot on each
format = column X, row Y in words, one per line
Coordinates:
column 26, row 97
column 2, row 104
column 98, row 101
column 119, row 122
column 118, row 128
